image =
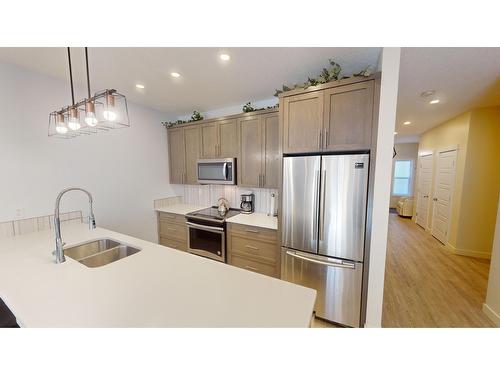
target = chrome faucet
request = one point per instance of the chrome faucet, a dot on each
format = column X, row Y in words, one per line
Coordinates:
column 59, row 252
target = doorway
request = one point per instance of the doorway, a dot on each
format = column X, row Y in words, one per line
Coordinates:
column 424, row 179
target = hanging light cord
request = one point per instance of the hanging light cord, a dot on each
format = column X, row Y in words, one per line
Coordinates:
column 71, row 77
column 88, row 75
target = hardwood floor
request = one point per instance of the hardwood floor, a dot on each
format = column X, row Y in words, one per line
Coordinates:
column 428, row 286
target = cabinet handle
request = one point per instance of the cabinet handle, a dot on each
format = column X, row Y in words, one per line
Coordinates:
column 326, row 138
column 251, row 231
column 263, row 180
column 251, row 268
column 251, row 247
column 319, row 139
column 215, row 151
column 260, row 178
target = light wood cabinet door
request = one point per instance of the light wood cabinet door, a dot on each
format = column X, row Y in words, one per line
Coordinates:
column 228, row 139
column 270, row 149
column 348, row 117
column 176, row 150
column 303, row 122
column 209, row 140
column 192, row 138
column 250, row 162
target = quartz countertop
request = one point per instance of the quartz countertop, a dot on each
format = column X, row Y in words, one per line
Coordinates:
column 255, row 219
column 180, row 208
column 157, row 287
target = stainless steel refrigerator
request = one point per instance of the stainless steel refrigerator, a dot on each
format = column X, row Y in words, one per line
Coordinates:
column 323, row 230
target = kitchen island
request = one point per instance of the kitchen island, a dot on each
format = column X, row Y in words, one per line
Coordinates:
column 156, row 287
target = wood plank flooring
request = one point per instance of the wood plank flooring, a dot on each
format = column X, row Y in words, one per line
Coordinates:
column 428, row 286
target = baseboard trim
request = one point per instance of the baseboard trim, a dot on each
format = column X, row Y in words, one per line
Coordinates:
column 490, row 313
column 473, row 253
column 468, row 253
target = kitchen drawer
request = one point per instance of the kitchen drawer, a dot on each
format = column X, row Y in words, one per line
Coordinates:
column 266, row 251
column 181, row 219
column 254, row 232
column 174, row 244
column 253, row 265
column 173, row 230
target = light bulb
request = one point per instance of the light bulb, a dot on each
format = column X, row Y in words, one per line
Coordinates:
column 109, row 115
column 60, row 125
column 73, row 122
column 90, row 118
column 61, row 128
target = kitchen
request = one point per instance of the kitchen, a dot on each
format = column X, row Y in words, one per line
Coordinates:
column 227, row 174
column 201, row 183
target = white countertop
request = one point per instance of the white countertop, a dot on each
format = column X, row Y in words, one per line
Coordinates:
column 180, row 208
column 255, row 219
column 157, row 287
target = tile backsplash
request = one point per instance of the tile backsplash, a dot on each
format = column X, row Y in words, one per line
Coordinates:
column 209, row 194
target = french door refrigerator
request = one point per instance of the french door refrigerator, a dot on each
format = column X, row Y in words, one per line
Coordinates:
column 323, row 230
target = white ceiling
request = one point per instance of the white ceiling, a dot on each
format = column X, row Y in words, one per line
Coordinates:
column 463, row 78
column 206, row 83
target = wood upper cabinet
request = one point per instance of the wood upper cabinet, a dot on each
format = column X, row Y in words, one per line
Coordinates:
column 192, row 139
column 250, row 162
column 348, row 117
column 303, row 122
column 228, row 139
column 258, row 164
column 209, row 140
column 271, row 156
column 176, row 150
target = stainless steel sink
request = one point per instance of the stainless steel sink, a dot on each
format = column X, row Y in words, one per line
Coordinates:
column 100, row 252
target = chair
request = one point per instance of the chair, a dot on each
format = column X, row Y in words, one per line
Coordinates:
column 405, row 207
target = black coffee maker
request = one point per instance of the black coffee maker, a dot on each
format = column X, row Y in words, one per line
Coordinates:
column 247, row 203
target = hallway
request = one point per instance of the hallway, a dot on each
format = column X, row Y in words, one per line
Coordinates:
column 428, row 286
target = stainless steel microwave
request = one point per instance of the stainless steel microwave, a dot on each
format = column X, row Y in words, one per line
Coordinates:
column 217, row 171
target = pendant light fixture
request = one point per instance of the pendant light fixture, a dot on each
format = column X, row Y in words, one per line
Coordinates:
column 105, row 110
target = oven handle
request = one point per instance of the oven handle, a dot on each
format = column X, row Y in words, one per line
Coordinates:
column 205, row 227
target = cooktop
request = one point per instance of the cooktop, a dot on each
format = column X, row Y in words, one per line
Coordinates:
column 212, row 214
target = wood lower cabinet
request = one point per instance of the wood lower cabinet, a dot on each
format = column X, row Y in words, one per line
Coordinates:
column 259, row 158
column 348, row 117
column 184, row 151
column 252, row 248
column 172, row 231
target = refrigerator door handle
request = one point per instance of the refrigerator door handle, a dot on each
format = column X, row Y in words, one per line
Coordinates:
column 322, row 208
column 338, row 263
column 316, row 202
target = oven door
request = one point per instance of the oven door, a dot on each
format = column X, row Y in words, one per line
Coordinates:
column 207, row 241
column 217, row 171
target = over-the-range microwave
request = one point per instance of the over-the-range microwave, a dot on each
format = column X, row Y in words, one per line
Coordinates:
column 217, row 171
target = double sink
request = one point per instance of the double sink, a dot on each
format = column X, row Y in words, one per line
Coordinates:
column 100, row 252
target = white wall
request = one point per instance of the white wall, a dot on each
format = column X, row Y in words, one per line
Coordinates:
column 492, row 305
column 124, row 169
column 382, row 184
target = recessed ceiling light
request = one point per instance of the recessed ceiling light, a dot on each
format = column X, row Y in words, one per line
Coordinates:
column 407, row 123
column 427, row 93
column 435, row 101
column 175, row 74
column 139, row 86
column 395, row 133
column 225, row 57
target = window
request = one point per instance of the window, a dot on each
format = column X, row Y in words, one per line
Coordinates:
column 402, row 177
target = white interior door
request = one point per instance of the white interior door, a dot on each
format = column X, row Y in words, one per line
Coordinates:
column 445, row 182
column 424, row 189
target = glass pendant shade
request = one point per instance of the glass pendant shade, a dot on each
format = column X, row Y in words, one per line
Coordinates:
column 61, row 127
column 74, row 119
column 90, row 117
column 113, row 113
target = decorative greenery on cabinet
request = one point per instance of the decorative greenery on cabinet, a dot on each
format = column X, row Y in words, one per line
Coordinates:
column 196, row 116
column 329, row 74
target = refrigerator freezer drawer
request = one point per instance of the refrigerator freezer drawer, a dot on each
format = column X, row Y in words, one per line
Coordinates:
column 337, row 282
